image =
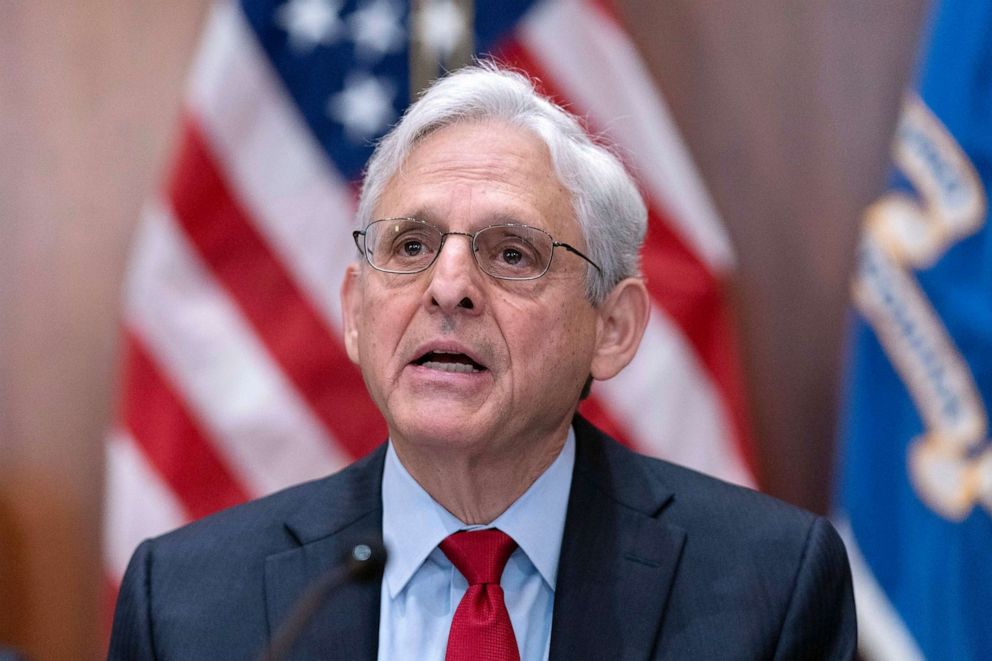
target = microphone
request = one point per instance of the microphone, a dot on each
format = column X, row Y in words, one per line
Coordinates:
column 364, row 562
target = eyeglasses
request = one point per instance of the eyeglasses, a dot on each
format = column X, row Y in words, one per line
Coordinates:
column 508, row 252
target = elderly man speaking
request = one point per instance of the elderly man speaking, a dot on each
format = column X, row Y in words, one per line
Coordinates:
column 497, row 279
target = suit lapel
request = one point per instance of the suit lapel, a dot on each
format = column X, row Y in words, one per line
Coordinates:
column 618, row 559
column 346, row 510
column 618, row 556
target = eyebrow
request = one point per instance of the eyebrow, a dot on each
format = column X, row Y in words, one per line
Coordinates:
column 498, row 219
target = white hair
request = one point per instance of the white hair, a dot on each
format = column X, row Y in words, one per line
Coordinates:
column 605, row 199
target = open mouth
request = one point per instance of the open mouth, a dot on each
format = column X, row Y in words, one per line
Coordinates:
column 449, row 361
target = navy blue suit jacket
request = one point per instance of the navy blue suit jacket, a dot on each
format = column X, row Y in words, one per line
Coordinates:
column 657, row 562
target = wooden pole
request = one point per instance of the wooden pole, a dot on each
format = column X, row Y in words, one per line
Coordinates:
column 431, row 56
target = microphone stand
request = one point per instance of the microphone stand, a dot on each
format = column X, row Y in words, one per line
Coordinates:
column 364, row 562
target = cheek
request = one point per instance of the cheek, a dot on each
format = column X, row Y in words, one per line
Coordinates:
column 384, row 319
column 552, row 335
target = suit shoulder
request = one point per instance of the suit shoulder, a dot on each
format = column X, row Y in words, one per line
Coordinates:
column 251, row 518
column 262, row 522
column 730, row 522
column 707, row 506
column 717, row 500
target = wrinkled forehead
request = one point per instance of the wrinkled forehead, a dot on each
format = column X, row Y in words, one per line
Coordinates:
column 490, row 170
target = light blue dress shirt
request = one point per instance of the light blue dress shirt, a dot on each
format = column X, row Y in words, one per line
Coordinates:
column 421, row 588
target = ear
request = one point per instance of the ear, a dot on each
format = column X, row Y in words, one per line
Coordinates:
column 622, row 319
column 351, row 309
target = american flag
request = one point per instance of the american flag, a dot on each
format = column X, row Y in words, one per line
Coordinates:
column 235, row 380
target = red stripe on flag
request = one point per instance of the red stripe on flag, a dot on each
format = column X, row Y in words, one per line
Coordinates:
column 695, row 301
column 676, row 279
column 594, row 411
column 171, row 440
column 607, row 9
column 307, row 349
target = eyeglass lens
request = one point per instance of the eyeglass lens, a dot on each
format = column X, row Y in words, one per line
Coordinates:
column 406, row 245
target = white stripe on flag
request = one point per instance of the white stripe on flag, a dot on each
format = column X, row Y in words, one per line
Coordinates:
column 670, row 407
column 882, row 635
column 585, row 55
column 200, row 340
column 294, row 197
column 138, row 504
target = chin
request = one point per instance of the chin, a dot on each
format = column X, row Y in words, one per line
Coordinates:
column 436, row 430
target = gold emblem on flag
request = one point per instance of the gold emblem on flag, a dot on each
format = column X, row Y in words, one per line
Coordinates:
column 950, row 463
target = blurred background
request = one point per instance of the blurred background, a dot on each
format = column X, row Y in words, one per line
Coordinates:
column 788, row 108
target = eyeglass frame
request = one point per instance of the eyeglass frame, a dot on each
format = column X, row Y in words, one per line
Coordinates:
column 475, row 251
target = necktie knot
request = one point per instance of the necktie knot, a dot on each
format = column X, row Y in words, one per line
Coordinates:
column 480, row 555
column 480, row 627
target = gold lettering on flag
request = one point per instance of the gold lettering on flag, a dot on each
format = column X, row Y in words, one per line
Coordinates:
column 950, row 464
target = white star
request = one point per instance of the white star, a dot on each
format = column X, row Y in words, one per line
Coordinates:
column 310, row 23
column 376, row 29
column 364, row 107
column 442, row 26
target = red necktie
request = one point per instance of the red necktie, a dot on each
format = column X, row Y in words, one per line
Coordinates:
column 481, row 629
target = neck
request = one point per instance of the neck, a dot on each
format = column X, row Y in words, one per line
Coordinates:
column 477, row 488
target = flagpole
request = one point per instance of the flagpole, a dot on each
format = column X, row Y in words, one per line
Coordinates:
column 430, row 56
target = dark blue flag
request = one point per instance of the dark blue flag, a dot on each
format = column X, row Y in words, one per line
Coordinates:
column 916, row 487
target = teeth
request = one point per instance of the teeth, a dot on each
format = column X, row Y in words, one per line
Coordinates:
column 464, row 368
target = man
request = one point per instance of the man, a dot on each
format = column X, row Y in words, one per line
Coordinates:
column 498, row 277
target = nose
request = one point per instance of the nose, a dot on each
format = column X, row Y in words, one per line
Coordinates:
column 455, row 279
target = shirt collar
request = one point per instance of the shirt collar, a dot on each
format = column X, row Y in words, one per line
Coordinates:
column 413, row 523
